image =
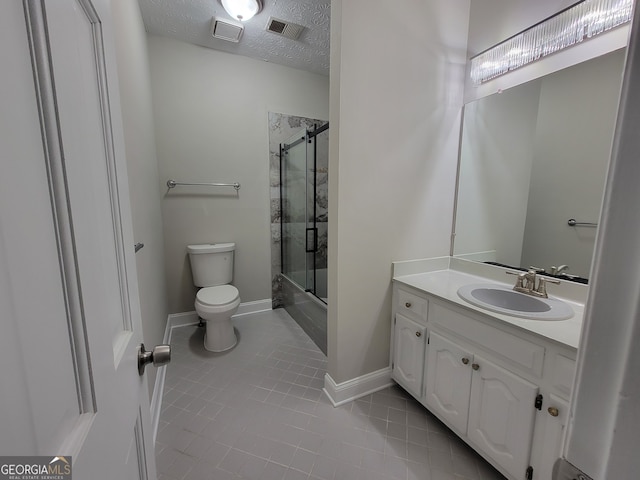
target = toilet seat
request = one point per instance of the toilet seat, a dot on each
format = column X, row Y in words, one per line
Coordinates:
column 217, row 296
column 214, row 301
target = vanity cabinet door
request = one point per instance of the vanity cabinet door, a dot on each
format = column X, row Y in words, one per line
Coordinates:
column 449, row 381
column 555, row 412
column 410, row 339
column 501, row 415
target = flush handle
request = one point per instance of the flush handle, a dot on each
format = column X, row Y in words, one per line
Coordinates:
column 160, row 355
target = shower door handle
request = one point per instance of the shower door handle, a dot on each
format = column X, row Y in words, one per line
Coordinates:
column 311, row 240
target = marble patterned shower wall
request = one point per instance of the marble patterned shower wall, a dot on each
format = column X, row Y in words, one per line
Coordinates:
column 281, row 127
column 322, row 196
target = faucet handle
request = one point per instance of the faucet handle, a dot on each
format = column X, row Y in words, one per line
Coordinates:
column 536, row 269
column 542, row 286
column 519, row 280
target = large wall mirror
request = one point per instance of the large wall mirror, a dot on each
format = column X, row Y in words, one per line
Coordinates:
column 532, row 158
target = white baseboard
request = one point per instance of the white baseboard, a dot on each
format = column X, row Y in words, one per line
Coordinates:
column 257, row 306
column 176, row 320
column 341, row 393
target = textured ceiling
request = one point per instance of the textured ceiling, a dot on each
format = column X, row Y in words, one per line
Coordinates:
column 190, row 21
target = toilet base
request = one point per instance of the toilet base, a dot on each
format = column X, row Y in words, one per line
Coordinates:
column 219, row 336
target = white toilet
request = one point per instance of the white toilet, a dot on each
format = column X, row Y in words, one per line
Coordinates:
column 216, row 301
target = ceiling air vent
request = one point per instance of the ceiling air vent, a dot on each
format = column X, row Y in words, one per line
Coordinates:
column 226, row 30
column 284, row 28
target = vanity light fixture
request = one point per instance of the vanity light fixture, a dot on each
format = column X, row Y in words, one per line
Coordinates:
column 579, row 22
column 242, row 10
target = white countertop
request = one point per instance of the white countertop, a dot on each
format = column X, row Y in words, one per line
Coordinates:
column 444, row 284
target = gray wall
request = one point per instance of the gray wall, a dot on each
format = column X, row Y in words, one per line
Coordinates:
column 142, row 167
column 211, row 117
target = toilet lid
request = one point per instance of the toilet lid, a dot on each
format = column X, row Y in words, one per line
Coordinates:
column 220, row 295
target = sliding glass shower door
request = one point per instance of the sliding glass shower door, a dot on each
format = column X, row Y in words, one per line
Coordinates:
column 303, row 210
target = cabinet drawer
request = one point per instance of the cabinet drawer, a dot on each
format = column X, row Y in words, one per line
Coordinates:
column 564, row 369
column 526, row 355
column 412, row 305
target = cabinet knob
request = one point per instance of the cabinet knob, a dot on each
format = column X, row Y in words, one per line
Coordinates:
column 418, row 334
column 465, row 360
column 475, row 366
column 408, row 304
column 553, row 411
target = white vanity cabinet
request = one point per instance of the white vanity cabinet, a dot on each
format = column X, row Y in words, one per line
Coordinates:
column 489, row 405
column 448, row 381
column 501, row 415
column 410, row 344
column 503, row 391
column 409, row 341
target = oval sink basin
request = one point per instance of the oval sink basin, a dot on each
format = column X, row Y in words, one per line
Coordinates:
column 509, row 302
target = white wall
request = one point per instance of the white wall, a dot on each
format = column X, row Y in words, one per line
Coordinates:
column 142, row 168
column 396, row 100
column 211, row 126
column 573, row 138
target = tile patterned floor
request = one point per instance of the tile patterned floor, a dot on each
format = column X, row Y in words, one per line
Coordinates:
column 258, row 412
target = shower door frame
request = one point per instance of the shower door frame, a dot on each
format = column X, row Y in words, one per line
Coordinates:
column 307, row 139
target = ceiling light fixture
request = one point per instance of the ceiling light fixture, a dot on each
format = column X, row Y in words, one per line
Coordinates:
column 242, row 10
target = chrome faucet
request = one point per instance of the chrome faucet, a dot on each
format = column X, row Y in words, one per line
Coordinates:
column 526, row 283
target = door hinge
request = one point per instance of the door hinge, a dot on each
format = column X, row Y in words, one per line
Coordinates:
column 393, row 365
column 394, row 320
column 428, row 339
column 539, row 400
column 529, row 474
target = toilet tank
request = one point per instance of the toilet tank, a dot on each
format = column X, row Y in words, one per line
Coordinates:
column 211, row 264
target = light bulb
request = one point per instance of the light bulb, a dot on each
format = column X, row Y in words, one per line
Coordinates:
column 242, row 10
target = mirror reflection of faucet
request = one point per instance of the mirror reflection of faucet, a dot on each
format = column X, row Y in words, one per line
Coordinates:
column 558, row 270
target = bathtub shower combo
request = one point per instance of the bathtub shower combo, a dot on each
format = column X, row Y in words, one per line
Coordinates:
column 304, row 203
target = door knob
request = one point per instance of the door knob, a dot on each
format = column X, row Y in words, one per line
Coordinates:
column 553, row 411
column 475, row 366
column 465, row 360
column 160, row 355
column 418, row 334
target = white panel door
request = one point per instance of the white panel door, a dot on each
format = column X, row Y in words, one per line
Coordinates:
column 449, row 381
column 71, row 326
column 410, row 339
column 501, row 415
